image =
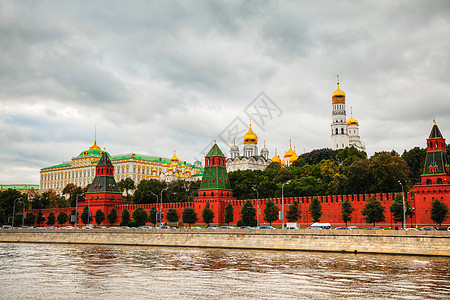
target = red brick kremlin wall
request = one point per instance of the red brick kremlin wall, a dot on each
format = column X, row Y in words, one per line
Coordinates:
column 331, row 207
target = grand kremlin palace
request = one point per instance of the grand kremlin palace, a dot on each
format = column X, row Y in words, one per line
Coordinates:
column 81, row 169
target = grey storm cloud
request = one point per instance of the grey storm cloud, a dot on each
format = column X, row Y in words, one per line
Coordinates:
column 156, row 76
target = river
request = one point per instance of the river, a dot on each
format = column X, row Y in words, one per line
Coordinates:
column 62, row 271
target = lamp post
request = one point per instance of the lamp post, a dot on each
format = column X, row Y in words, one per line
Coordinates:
column 76, row 209
column 157, row 207
column 257, row 206
column 404, row 209
column 282, row 202
column 14, row 212
column 160, row 218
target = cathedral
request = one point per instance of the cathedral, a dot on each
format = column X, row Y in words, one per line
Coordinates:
column 250, row 159
column 344, row 133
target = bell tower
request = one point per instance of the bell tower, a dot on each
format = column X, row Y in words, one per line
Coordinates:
column 339, row 126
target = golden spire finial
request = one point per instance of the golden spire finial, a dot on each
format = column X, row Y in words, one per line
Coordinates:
column 351, row 111
column 289, row 143
column 434, row 121
column 337, row 79
column 275, row 151
column 264, row 143
column 215, row 142
column 234, row 141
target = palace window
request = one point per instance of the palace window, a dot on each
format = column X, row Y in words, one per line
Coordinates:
column 439, row 181
column 429, row 182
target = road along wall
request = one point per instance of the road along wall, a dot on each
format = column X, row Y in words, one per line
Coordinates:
column 360, row 241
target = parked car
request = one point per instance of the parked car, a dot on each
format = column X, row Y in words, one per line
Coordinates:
column 341, row 228
column 443, row 228
column 7, row 227
column 428, row 228
column 227, row 227
column 353, row 228
column 100, row 227
column 212, row 227
column 145, row 227
column 266, row 227
column 411, row 229
column 320, row 226
column 166, row 227
column 375, row 228
column 245, row 227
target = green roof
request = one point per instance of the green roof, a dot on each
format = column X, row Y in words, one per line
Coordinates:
column 95, row 153
column 215, row 151
column 65, row 164
column 26, row 187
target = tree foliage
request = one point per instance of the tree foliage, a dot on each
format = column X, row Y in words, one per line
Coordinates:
column 189, row 216
column 346, row 211
column 126, row 185
column 51, row 219
column 152, row 215
column 315, row 209
column 439, row 211
column 40, row 219
column 86, row 217
column 99, row 217
column 373, row 211
column 62, row 218
column 30, row 219
column 248, row 214
column 229, row 214
column 207, row 214
column 125, row 219
column 327, row 172
column 172, row 215
column 293, row 213
column 271, row 212
column 140, row 216
column 112, row 216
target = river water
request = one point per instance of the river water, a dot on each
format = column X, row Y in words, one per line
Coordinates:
column 61, row 271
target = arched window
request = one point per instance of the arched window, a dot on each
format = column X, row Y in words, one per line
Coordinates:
column 431, row 145
column 439, row 181
column 429, row 182
column 430, row 169
column 436, row 144
column 337, row 131
column 212, row 194
column 204, row 194
column 436, row 168
column 342, row 130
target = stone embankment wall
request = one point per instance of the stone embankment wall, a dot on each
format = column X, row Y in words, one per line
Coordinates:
column 361, row 241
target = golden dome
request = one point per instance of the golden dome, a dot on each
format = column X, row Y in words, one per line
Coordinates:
column 352, row 121
column 95, row 147
column 188, row 171
column 276, row 159
column 170, row 169
column 293, row 158
column 282, row 162
column 165, row 165
column 174, row 159
column 338, row 93
column 250, row 137
column 290, row 152
column 154, row 170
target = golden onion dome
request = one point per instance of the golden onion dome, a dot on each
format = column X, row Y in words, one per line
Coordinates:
column 154, row 170
column 338, row 93
column 165, row 165
column 174, row 159
column 188, row 171
column 282, row 162
column 276, row 159
column 94, row 147
column 250, row 137
column 293, row 158
column 170, row 169
column 289, row 153
column 352, row 121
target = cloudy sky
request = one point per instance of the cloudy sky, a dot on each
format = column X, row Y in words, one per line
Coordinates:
column 159, row 76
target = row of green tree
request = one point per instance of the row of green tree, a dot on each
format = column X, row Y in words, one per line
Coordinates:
column 373, row 212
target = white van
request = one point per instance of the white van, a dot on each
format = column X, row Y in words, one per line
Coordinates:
column 320, row 226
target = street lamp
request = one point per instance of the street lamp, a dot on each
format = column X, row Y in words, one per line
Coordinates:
column 160, row 218
column 282, row 201
column 257, row 205
column 157, row 208
column 76, row 209
column 404, row 209
column 14, row 212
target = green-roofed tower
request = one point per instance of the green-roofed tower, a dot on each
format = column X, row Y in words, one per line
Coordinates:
column 215, row 186
column 437, row 167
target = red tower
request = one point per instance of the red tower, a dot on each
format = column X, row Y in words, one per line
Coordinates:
column 215, row 186
column 103, row 193
column 435, row 182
